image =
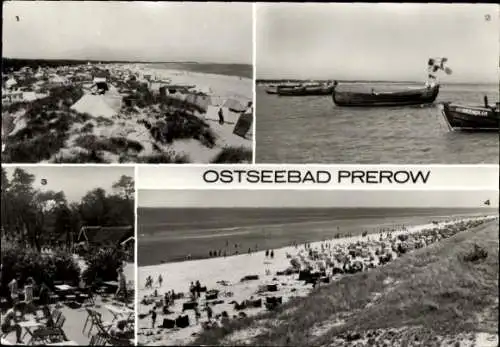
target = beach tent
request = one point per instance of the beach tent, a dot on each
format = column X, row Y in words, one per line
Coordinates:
column 216, row 100
column 57, row 80
column 11, row 83
column 212, row 114
column 234, row 105
column 95, row 105
column 203, row 89
column 100, row 236
column 244, row 124
column 202, row 101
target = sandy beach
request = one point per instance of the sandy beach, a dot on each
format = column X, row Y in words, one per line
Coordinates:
column 225, row 275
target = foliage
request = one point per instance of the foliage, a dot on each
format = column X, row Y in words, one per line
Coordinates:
column 115, row 145
column 233, row 155
column 21, row 263
column 164, row 158
column 48, row 121
column 182, row 125
column 103, row 264
column 40, row 218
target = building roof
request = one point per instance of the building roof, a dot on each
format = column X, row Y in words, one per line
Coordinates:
column 98, row 235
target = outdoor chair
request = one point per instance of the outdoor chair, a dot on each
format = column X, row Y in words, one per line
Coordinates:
column 40, row 337
column 90, row 320
column 98, row 340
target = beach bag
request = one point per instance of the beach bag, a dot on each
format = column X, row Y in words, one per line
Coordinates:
column 272, row 288
column 182, row 321
column 250, row 278
column 168, row 323
column 189, row 305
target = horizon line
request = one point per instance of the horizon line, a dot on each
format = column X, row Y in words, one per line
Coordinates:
column 129, row 61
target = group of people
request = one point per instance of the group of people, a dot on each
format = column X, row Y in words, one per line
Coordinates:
column 150, row 281
column 19, row 308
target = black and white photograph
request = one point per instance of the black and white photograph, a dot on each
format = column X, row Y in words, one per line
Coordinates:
column 68, row 256
column 317, row 267
column 377, row 83
column 127, row 82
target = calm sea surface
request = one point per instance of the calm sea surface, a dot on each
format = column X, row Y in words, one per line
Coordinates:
column 313, row 130
column 167, row 235
column 241, row 70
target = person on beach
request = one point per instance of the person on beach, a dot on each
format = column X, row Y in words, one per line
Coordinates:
column 153, row 318
column 271, row 254
column 160, row 280
column 210, row 254
column 209, row 312
column 198, row 288
column 118, row 330
column 8, row 327
column 191, row 289
column 221, row 116
column 197, row 314
column 267, row 253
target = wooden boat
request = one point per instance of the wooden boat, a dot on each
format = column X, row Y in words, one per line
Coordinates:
column 414, row 96
column 272, row 89
column 305, row 90
column 471, row 118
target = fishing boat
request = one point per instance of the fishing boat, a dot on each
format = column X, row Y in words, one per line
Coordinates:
column 426, row 94
column 305, row 90
column 471, row 118
column 411, row 96
column 272, row 89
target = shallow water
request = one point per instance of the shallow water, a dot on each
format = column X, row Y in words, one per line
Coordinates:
column 167, row 235
column 313, row 130
column 240, row 70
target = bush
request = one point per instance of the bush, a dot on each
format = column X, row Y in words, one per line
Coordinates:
column 231, row 155
column 181, row 125
column 34, row 150
column 103, row 264
column 115, row 145
column 21, row 263
column 164, row 158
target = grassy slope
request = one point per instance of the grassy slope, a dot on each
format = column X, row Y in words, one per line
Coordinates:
column 432, row 288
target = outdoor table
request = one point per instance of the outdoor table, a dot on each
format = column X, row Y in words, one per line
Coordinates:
column 64, row 287
column 120, row 311
column 28, row 325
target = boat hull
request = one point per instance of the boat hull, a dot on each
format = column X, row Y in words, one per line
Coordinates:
column 466, row 118
column 304, row 91
column 403, row 98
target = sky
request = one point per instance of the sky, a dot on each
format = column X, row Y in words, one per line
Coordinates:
column 75, row 182
column 314, row 198
column 145, row 31
column 390, row 42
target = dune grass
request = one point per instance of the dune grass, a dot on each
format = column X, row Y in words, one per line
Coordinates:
column 231, row 155
column 436, row 289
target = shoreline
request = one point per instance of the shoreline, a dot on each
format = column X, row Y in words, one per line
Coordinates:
column 371, row 224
